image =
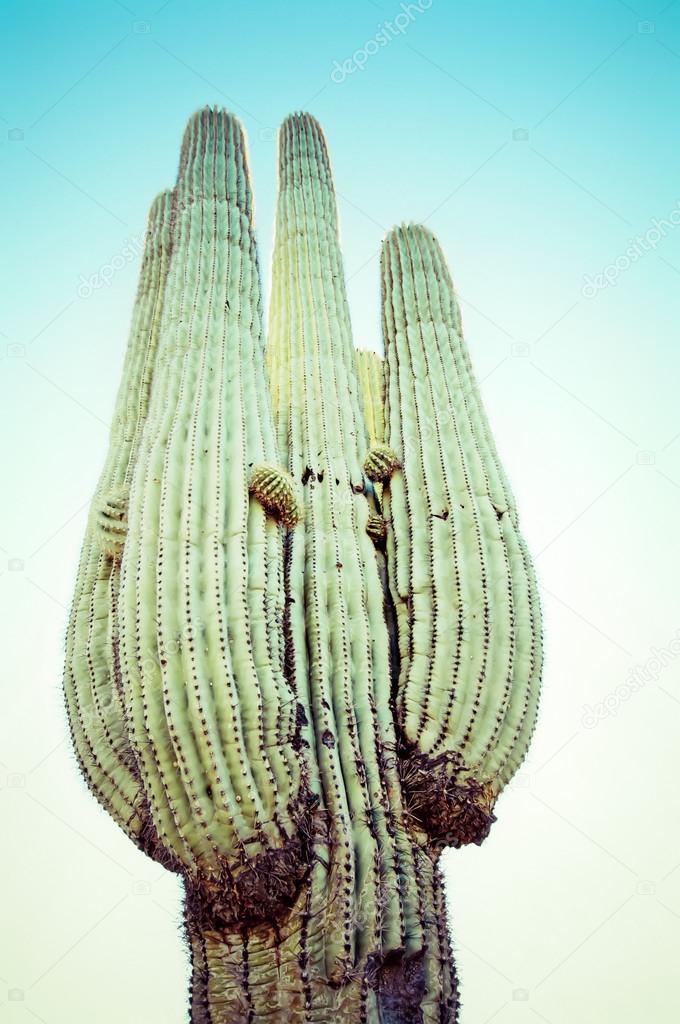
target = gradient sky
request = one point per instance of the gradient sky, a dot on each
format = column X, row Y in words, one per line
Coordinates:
column 539, row 141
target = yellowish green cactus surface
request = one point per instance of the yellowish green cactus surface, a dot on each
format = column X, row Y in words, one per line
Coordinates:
column 304, row 651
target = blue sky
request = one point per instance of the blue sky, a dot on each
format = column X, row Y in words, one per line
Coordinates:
column 539, row 141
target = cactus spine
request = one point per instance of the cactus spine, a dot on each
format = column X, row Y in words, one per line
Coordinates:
column 304, row 650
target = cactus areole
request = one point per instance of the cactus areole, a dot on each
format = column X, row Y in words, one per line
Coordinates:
column 304, row 651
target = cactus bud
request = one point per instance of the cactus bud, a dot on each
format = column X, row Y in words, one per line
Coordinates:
column 274, row 488
column 376, row 528
column 380, row 463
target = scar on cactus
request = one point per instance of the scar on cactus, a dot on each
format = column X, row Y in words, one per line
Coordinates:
column 110, row 513
column 295, row 721
column 452, row 813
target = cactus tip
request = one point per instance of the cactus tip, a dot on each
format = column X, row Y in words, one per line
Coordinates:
column 210, row 122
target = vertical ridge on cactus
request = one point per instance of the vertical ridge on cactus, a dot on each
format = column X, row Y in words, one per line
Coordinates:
column 304, row 649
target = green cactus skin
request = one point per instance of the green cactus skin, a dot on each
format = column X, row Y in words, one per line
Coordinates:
column 304, row 648
column 469, row 666
column 111, row 521
column 371, row 370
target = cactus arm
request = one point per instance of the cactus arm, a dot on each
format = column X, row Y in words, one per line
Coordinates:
column 445, row 506
column 91, row 683
column 202, row 574
column 316, row 400
column 504, row 753
column 371, row 372
column 338, row 598
column 468, row 621
column 317, row 593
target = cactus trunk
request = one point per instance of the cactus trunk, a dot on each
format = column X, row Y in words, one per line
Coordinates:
column 304, row 650
column 264, row 974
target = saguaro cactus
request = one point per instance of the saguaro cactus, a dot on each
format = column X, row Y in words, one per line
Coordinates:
column 304, row 651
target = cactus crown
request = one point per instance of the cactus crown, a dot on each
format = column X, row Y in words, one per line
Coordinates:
column 298, row 720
